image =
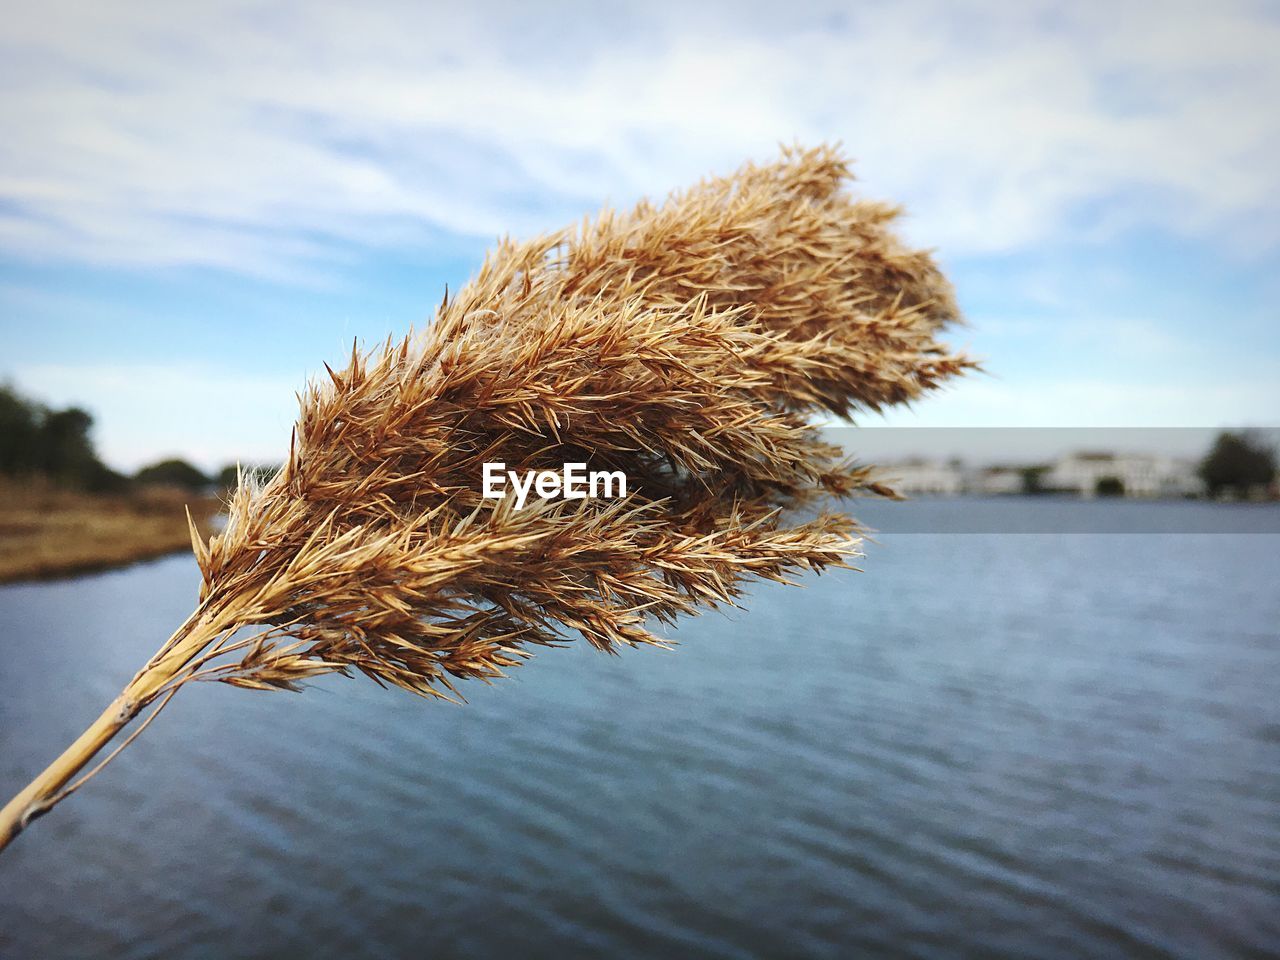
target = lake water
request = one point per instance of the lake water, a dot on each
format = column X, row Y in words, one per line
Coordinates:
column 985, row 745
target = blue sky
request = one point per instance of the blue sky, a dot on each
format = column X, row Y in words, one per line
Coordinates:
column 200, row 205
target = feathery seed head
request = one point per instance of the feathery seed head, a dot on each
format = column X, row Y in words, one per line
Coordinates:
column 686, row 344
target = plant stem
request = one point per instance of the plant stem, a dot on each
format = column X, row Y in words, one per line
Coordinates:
column 39, row 796
column 159, row 678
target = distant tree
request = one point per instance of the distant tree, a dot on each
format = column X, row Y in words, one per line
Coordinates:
column 1033, row 478
column 1236, row 463
column 172, row 473
column 37, row 441
column 102, row 479
column 20, row 422
column 1109, row 487
column 67, row 451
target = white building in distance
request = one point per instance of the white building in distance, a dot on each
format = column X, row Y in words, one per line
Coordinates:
column 1085, row 474
column 999, row 481
column 919, row 477
column 1127, row 474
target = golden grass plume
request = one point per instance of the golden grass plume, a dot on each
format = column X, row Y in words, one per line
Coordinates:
column 688, row 344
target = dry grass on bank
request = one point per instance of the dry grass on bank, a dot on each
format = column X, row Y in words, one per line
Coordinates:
column 47, row 532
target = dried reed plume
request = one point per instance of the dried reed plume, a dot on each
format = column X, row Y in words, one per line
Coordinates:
column 687, row 344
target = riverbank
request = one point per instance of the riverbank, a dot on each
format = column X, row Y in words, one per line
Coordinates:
column 46, row 532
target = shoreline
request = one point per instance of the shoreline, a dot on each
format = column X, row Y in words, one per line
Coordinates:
column 50, row 534
column 52, row 573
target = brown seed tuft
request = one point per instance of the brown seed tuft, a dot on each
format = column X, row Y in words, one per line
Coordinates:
column 687, row 344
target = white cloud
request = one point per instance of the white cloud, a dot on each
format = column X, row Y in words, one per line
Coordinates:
column 252, row 136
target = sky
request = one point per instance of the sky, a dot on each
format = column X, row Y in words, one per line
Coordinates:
column 202, row 203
